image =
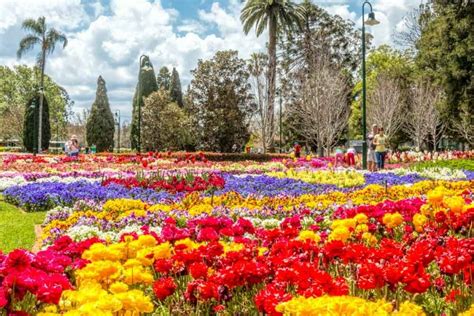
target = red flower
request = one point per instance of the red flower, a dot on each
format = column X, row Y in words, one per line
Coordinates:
column 164, row 287
column 370, row 276
column 268, row 298
column 453, row 296
column 163, row 265
column 198, row 270
column 18, row 259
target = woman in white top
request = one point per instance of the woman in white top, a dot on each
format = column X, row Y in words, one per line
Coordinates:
column 371, row 159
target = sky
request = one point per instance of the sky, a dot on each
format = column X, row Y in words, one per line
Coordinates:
column 107, row 37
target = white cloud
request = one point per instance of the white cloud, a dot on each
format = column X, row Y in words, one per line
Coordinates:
column 62, row 14
column 110, row 44
column 342, row 10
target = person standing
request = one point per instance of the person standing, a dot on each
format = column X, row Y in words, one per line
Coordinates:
column 371, row 159
column 380, row 141
column 297, row 150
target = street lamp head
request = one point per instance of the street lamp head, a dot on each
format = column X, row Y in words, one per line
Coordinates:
column 371, row 20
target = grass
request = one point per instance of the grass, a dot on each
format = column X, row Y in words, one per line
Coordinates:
column 17, row 228
column 465, row 164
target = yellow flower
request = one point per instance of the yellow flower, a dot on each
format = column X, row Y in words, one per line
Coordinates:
column 109, row 303
column 454, row 203
column 418, row 221
column 309, row 235
column 409, row 309
column 118, row 287
column 362, row 228
column 136, row 301
column 340, row 233
column 361, row 218
column 469, row 312
column 334, row 305
column 369, row 238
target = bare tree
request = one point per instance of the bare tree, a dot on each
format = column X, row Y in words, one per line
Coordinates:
column 385, row 105
column 258, row 64
column 412, row 28
column 321, row 112
column 425, row 121
column 464, row 125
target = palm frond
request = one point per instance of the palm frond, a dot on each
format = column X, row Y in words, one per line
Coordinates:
column 27, row 44
column 52, row 38
column 37, row 27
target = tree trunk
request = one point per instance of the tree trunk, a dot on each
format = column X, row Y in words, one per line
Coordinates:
column 40, row 114
column 272, row 26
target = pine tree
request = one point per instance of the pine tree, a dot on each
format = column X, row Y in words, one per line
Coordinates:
column 175, row 88
column 30, row 125
column 164, row 79
column 146, row 85
column 100, row 125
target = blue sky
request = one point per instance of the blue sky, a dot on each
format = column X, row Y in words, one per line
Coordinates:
column 106, row 37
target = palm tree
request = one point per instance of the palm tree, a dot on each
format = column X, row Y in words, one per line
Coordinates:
column 278, row 16
column 39, row 34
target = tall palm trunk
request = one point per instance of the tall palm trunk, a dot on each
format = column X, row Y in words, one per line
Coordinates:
column 40, row 112
column 272, row 28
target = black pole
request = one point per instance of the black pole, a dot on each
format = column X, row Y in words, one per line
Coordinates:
column 281, row 102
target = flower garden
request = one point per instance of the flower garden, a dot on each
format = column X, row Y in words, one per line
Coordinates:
column 163, row 234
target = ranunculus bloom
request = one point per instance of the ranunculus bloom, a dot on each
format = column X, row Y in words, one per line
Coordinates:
column 164, row 287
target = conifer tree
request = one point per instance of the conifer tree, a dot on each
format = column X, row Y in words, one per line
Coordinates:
column 146, row 85
column 175, row 88
column 100, row 125
column 164, row 79
column 30, row 125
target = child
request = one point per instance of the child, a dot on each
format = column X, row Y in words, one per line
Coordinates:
column 339, row 157
column 351, row 152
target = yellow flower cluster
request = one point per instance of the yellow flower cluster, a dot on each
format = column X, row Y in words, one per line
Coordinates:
column 392, row 220
column 342, row 229
column 105, row 285
column 309, row 235
column 347, row 178
column 442, row 199
column 344, row 305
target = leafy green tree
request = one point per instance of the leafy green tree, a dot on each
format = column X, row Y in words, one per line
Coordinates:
column 279, row 16
column 18, row 85
column 163, row 79
column 221, row 102
column 384, row 62
column 166, row 126
column 100, row 125
column 31, row 123
column 47, row 39
column 146, row 85
column 175, row 88
column 445, row 51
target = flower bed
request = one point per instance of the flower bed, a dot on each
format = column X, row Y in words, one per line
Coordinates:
column 180, row 236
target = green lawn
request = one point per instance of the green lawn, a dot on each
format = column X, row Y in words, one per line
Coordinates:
column 17, row 228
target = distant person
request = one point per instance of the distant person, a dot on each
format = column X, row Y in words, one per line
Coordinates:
column 371, row 159
column 380, row 141
column 351, row 152
column 339, row 157
column 297, row 150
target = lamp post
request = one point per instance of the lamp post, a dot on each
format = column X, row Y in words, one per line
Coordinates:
column 117, row 121
column 145, row 67
column 281, row 103
column 35, row 128
column 370, row 21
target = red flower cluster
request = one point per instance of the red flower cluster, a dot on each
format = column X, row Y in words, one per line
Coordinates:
column 43, row 274
column 281, row 265
column 173, row 185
